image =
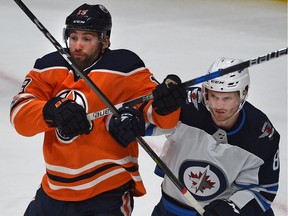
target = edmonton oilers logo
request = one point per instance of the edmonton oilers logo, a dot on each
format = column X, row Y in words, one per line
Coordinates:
column 79, row 98
column 204, row 180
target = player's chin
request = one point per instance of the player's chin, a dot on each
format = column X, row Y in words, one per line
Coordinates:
column 80, row 61
column 220, row 116
column 78, row 58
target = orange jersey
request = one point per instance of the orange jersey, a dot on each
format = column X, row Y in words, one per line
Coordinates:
column 86, row 165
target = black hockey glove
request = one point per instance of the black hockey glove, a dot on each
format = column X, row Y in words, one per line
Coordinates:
column 67, row 116
column 168, row 96
column 221, row 208
column 128, row 126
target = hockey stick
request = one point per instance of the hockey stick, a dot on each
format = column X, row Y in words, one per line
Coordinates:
column 197, row 80
column 236, row 67
column 107, row 111
column 111, row 107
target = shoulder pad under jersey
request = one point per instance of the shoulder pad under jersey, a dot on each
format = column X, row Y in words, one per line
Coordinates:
column 53, row 59
column 121, row 60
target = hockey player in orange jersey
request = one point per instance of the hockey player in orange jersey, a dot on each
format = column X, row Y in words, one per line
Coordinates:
column 91, row 166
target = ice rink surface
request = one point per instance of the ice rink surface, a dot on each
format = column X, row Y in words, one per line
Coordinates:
column 182, row 37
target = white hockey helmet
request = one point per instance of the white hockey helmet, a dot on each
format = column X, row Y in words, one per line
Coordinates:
column 234, row 81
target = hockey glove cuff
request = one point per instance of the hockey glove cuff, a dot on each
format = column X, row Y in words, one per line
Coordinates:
column 67, row 116
column 168, row 96
column 125, row 128
column 221, row 208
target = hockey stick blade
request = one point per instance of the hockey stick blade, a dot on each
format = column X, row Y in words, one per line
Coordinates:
column 109, row 105
column 204, row 78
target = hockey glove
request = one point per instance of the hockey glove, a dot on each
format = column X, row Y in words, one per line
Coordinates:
column 67, row 116
column 221, row 208
column 168, row 96
column 127, row 127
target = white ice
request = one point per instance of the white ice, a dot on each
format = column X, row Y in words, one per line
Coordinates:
column 182, row 37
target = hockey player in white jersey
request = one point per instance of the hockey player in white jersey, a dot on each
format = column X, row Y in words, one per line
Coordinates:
column 224, row 150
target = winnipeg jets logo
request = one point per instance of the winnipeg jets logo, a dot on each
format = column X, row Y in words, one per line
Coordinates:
column 267, row 130
column 201, row 181
column 204, row 180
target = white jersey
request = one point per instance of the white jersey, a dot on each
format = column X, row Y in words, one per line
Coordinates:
column 241, row 165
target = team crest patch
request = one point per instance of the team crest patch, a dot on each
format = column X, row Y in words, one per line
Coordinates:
column 205, row 181
column 267, row 130
column 75, row 95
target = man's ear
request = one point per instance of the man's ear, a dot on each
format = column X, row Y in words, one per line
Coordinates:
column 106, row 43
column 245, row 92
